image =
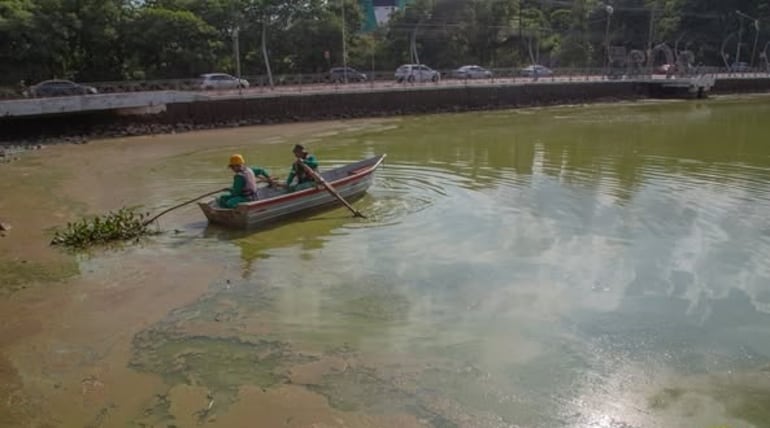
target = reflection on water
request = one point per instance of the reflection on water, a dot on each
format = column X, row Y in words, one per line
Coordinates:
column 601, row 266
column 575, row 267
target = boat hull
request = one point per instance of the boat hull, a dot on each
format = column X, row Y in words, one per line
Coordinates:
column 351, row 181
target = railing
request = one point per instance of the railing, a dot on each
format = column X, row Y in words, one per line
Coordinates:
column 383, row 80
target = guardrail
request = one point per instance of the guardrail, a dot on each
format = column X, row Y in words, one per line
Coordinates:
column 386, row 79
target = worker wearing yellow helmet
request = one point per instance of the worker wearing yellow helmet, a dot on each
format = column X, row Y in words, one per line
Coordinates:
column 244, row 183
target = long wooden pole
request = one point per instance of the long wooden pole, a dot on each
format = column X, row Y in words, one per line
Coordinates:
column 272, row 180
column 317, row 177
column 183, row 204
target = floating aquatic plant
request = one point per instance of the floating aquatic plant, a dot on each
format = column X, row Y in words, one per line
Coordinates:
column 123, row 225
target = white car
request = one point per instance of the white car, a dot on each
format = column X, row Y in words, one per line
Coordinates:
column 536, row 70
column 416, row 73
column 472, row 72
column 222, row 81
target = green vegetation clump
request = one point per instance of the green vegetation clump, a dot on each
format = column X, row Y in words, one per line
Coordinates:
column 123, row 225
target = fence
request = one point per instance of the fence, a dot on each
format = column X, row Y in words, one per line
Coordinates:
column 383, row 80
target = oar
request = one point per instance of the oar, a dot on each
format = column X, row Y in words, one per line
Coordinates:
column 183, row 204
column 317, row 177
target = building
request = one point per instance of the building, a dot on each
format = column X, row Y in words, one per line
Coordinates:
column 377, row 12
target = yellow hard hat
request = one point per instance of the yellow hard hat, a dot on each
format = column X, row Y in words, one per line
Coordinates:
column 236, row 160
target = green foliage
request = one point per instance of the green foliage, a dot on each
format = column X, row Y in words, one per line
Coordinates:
column 123, row 225
column 171, row 43
column 101, row 40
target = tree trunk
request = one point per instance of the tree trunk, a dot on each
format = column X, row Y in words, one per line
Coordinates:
column 264, row 52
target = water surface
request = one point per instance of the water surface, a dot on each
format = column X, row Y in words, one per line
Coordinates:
column 581, row 266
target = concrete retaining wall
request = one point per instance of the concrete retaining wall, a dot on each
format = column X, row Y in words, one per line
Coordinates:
column 741, row 86
column 98, row 102
column 320, row 106
column 199, row 114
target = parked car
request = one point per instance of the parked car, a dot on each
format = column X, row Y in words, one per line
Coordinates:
column 471, row 72
column 416, row 73
column 740, row 67
column 536, row 70
column 222, row 81
column 338, row 75
column 57, row 88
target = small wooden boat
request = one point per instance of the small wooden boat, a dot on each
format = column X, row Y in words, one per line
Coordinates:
column 275, row 204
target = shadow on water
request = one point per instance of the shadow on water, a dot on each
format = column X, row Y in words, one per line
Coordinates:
column 309, row 229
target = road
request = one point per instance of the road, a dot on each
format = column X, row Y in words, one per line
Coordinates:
column 151, row 100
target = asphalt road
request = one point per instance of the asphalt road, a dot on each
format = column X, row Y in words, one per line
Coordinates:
column 392, row 85
column 115, row 100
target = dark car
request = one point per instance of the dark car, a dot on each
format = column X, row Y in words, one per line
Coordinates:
column 339, row 74
column 740, row 67
column 57, row 88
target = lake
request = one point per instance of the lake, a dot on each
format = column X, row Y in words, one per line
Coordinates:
column 581, row 266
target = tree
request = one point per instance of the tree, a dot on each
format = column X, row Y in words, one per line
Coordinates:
column 172, row 43
column 118, row 39
column 275, row 15
column 16, row 52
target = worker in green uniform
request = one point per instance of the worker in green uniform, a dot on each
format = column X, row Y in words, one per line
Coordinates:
column 304, row 180
column 244, row 183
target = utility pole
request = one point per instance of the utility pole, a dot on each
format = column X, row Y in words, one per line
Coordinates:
column 344, row 46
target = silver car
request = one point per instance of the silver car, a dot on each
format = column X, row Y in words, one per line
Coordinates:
column 57, row 88
column 536, row 70
column 472, row 72
column 222, row 81
column 416, row 73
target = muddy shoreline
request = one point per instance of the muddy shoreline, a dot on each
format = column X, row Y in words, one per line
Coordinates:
column 32, row 133
column 230, row 113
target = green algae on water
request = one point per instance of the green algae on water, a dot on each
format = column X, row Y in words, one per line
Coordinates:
column 124, row 225
column 17, row 275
